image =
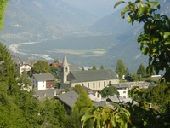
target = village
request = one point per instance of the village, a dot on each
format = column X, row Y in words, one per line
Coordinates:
column 84, row 64
column 60, row 84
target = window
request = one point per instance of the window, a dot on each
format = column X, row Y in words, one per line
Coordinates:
column 66, row 69
column 88, row 85
column 124, row 91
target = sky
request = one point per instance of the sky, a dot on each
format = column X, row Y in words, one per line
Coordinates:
column 97, row 7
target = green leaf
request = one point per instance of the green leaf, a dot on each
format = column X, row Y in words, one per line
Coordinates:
column 85, row 118
column 118, row 3
column 129, row 19
column 154, row 5
column 166, row 35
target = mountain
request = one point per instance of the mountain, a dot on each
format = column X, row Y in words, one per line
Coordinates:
column 43, row 19
column 90, row 32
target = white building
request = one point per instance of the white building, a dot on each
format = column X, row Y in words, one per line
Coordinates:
column 43, row 81
column 92, row 79
column 123, row 90
column 24, row 67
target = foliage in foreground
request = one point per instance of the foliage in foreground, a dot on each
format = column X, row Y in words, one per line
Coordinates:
column 155, row 39
column 3, row 4
column 107, row 117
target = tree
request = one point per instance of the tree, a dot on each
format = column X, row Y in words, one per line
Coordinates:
column 101, row 67
column 141, row 70
column 7, row 71
column 120, row 68
column 154, row 41
column 82, row 104
column 24, row 81
column 109, row 91
column 94, row 68
column 82, row 68
column 3, row 4
column 53, row 115
column 106, row 117
column 41, row 67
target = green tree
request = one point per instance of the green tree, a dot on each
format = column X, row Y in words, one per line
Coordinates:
column 7, row 71
column 41, row 67
column 11, row 114
column 94, row 68
column 24, row 81
column 155, row 39
column 30, row 106
column 141, row 70
column 109, row 91
column 106, row 117
column 101, row 67
column 53, row 115
column 82, row 104
column 3, row 4
column 120, row 68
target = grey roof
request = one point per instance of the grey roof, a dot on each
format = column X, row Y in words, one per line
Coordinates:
column 50, row 93
column 69, row 98
column 114, row 99
column 121, row 85
column 43, row 76
column 92, row 75
column 100, row 104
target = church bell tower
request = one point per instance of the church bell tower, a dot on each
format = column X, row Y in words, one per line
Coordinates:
column 66, row 69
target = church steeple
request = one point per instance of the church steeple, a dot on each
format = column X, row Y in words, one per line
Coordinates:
column 66, row 69
column 65, row 63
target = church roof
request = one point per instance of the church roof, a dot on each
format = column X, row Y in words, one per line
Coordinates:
column 92, row 75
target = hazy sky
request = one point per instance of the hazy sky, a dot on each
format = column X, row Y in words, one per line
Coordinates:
column 98, row 7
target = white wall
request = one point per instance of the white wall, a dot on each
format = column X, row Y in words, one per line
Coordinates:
column 97, row 85
column 41, row 85
column 123, row 92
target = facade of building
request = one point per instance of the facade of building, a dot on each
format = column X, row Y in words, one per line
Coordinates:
column 92, row 79
column 43, row 81
column 123, row 90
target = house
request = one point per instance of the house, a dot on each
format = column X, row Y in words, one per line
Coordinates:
column 24, row 67
column 49, row 93
column 122, row 89
column 43, row 81
column 68, row 99
column 92, row 79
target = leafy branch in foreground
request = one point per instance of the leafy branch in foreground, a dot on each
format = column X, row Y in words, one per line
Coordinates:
column 3, row 4
column 154, row 41
column 107, row 117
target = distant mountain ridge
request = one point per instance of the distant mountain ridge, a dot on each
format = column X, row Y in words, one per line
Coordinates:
column 78, row 24
column 44, row 19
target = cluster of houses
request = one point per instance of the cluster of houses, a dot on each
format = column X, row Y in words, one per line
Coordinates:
column 43, row 84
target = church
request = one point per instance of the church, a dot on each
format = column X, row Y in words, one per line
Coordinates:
column 92, row 79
